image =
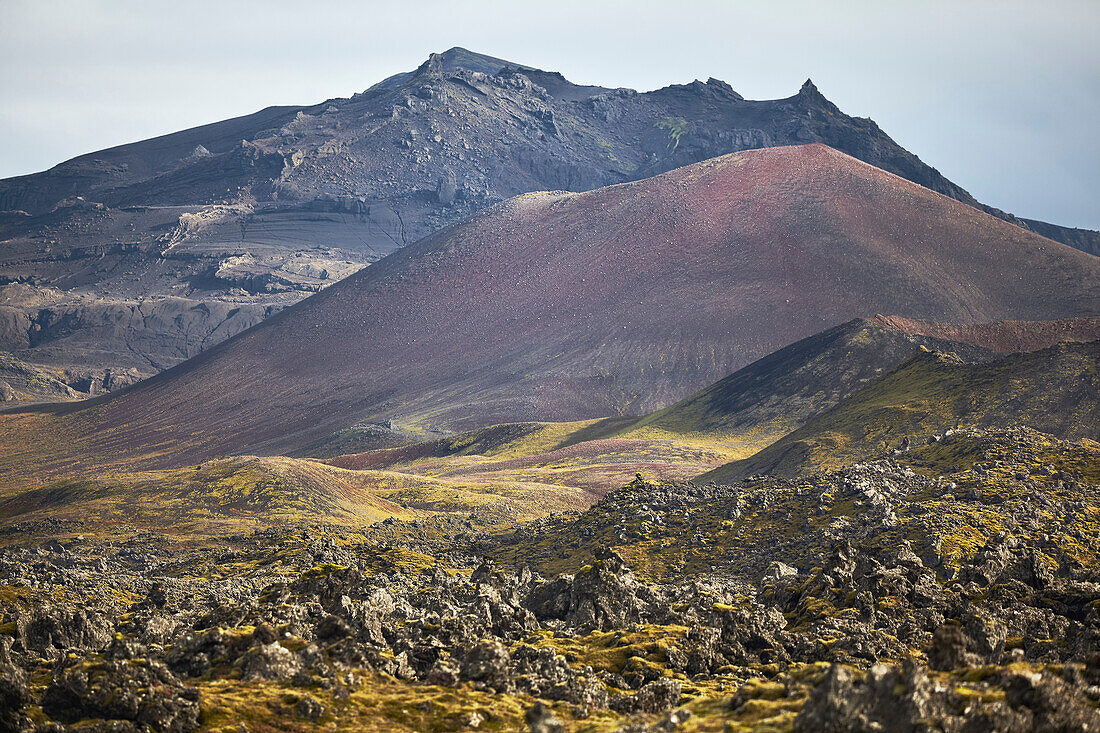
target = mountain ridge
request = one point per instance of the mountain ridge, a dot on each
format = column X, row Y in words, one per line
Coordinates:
column 495, row 319
column 254, row 213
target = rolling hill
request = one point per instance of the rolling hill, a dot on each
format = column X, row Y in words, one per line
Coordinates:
column 141, row 256
column 733, row 418
column 558, row 306
column 1055, row 390
column 762, row 402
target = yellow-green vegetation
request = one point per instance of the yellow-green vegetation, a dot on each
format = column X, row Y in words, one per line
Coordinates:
column 948, row 509
column 216, row 497
column 501, row 475
column 594, row 456
column 621, row 651
column 377, row 703
column 675, row 127
column 764, row 401
column 1053, row 390
column 227, row 495
column 737, row 445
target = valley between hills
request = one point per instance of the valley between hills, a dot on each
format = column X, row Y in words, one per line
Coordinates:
column 607, row 411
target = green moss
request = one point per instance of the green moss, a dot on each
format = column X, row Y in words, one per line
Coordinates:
column 675, row 127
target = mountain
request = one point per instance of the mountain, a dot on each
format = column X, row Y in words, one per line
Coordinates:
column 559, row 306
column 1056, row 390
column 142, row 255
column 762, row 402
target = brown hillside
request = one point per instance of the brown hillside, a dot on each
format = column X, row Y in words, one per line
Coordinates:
column 559, row 306
column 1006, row 337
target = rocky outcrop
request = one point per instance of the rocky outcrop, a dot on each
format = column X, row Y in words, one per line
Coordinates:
column 602, row 596
column 908, row 698
column 142, row 693
column 869, row 598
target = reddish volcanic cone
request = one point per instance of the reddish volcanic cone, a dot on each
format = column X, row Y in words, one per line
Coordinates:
column 558, row 306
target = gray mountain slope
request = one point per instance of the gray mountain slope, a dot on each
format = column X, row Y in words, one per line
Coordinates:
column 142, row 255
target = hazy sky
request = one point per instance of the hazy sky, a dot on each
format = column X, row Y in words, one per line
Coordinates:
column 1003, row 97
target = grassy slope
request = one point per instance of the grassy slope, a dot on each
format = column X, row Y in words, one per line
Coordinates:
column 759, row 404
column 501, row 474
column 1056, row 390
column 514, row 472
column 231, row 495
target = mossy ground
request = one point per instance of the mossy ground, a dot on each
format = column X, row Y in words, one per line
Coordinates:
column 994, row 478
column 535, row 470
column 970, row 485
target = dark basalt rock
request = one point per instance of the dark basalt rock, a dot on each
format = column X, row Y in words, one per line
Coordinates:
column 540, row 719
column 14, row 692
column 655, row 697
column 48, row 630
column 907, row 699
column 950, row 649
column 144, row 694
column 487, row 666
column 269, row 662
column 600, row 597
column 1000, row 644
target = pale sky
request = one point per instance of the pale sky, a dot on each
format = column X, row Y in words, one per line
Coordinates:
column 1003, row 97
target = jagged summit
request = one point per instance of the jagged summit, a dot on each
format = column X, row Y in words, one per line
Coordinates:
column 144, row 254
column 810, row 95
column 719, row 84
column 449, row 61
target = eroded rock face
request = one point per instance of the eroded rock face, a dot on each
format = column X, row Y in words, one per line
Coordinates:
column 47, row 631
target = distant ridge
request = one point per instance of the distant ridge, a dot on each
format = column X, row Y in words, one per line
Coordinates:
column 765, row 400
column 1003, row 336
column 559, row 306
column 142, row 255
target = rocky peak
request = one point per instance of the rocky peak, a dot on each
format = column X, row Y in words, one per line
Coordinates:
column 810, row 95
column 457, row 58
column 809, row 89
column 723, row 86
column 448, row 62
